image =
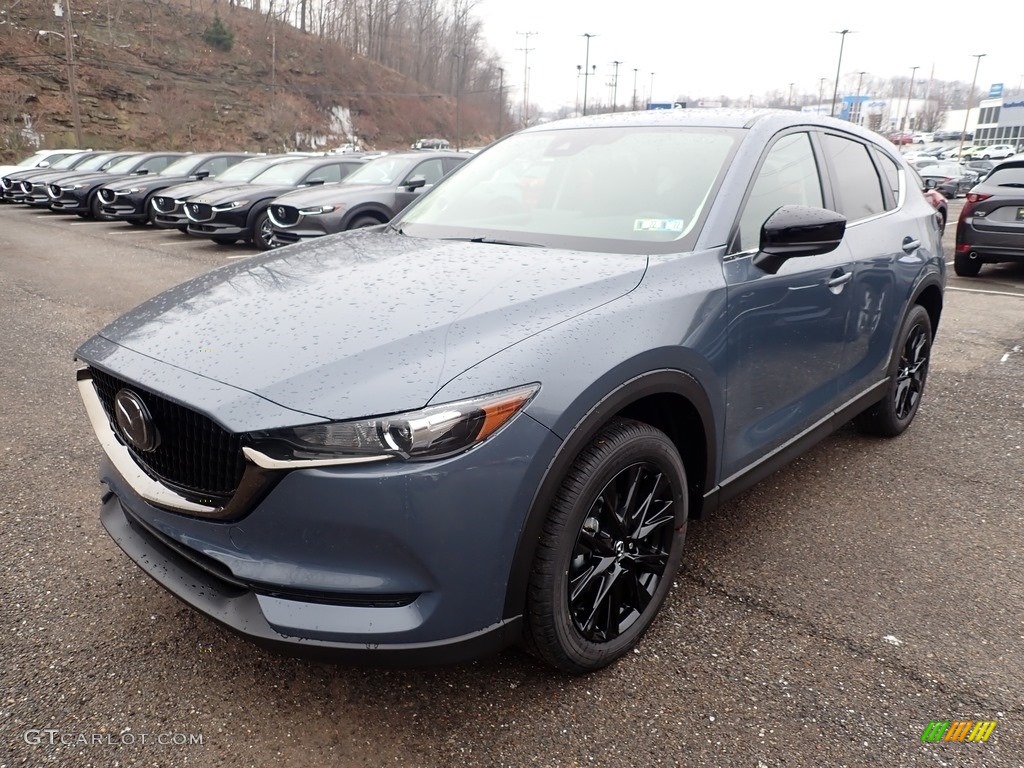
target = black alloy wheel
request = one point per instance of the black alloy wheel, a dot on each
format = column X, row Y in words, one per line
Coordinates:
column 908, row 372
column 262, row 231
column 609, row 550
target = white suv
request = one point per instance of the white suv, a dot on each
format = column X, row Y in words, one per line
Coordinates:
column 996, row 152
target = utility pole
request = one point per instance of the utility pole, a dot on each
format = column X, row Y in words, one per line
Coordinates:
column 615, row 86
column 501, row 98
column 579, row 74
column 526, row 74
column 789, row 103
column 905, row 124
column 835, row 93
column 821, row 91
column 970, row 98
column 458, row 101
column 69, row 48
column 650, row 96
column 635, row 70
column 586, row 72
column 860, row 82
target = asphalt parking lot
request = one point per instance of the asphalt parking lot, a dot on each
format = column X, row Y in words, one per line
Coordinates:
column 824, row 618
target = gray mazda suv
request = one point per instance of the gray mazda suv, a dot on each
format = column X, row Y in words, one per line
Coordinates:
column 490, row 422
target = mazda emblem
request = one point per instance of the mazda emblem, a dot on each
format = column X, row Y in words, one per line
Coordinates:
column 134, row 421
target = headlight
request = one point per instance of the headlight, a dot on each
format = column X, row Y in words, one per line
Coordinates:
column 316, row 210
column 433, row 432
column 230, row 206
column 75, row 186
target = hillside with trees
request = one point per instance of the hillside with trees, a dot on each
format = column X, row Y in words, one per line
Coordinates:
column 258, row 75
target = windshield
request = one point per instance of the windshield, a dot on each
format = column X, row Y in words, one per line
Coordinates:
column 68, row 161
column 95, row 162
column 246, row 170
column 182, row 167
column 125, row 166
column 33, row 160
column 285, row 174
column 621, row 189
column 383, row 170
column 1013, row 177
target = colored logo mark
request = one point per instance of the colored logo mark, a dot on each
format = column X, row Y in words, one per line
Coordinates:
column 958, row 730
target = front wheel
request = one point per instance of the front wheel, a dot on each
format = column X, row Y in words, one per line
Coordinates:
column 609, row 550
column 361, row 222
column 908, row 371
column 262, row 231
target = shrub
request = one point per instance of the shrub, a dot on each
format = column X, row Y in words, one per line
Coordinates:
column 218, row 35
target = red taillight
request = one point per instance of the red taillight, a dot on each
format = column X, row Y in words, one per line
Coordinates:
column 963, row 248
column 973, row 198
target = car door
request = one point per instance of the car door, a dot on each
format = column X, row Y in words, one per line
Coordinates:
column 786, row 330
column 887, row 237
column 431, row 171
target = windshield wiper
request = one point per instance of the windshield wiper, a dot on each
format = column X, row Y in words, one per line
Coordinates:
column 494, row 241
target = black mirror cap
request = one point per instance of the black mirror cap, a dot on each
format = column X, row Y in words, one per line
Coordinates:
column 798, row 230
column 200, row 175
column 415, row 183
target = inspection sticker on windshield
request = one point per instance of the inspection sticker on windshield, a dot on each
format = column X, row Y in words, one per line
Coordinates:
column 658, row 225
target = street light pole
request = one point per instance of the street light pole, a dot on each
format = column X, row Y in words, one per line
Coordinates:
column 905, row 124
column 586, row 72
column 458, row 101
column 789, row 103
column 579, row 74
column 842, row 41
column 650, row 96
column 821, row 92
column 69, row 48
column 615, row 87
column 970, row 98
column 635, row 71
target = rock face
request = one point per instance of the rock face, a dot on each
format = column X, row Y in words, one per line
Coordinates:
column 146, row 79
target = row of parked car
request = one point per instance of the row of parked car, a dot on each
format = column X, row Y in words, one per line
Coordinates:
column 268, row 200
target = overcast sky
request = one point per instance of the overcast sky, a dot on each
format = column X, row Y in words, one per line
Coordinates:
column 742, row 48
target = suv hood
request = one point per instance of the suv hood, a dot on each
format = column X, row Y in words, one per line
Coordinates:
column 365, row 323
column 148, row 181
column 327, row 193
column 222, row 195
column 192, row 188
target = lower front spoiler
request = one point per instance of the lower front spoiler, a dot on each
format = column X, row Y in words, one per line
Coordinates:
column 239, row 609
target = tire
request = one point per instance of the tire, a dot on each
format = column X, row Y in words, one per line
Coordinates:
column 986, row 157
column 95, row 207
column 262, row 231
column 942, row 222
column 587, row 548
column 965, row 266
column 137, row 223
column 908, row 372
column 224, row 240
column 359, row 222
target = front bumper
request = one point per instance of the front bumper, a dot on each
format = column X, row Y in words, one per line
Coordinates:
column 71, row 201
column 125, row 208
column 389, row 562
column 216, row 229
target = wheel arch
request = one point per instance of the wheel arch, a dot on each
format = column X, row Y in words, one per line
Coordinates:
column 670, row 400
column 375, row 210
column 929, row 296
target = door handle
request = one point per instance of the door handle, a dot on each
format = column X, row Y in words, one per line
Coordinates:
column 843, row 279
column 910, row 244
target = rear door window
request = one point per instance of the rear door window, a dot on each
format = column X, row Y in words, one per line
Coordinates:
column 858, row 188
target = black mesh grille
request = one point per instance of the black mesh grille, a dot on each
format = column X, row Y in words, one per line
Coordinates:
column 164, row 204
column 200, row 211
column 285, row 215
column 198, row 458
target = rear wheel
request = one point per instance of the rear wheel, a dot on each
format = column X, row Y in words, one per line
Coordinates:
column 224, row 240
column 95, row 207
column 965, row 266
column 908, row 372
column 609, row 550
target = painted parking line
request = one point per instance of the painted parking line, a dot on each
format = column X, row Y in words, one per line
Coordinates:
column 991, row 293
column 240, row 256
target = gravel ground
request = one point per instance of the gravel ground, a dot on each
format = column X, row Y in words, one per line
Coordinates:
column 822, row 619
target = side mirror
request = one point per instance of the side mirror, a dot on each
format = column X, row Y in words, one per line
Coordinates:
column 415, row 183
column 315, row 182
column 798, row 230
column 44, row 164
column 929, row 183
column 201, row 175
